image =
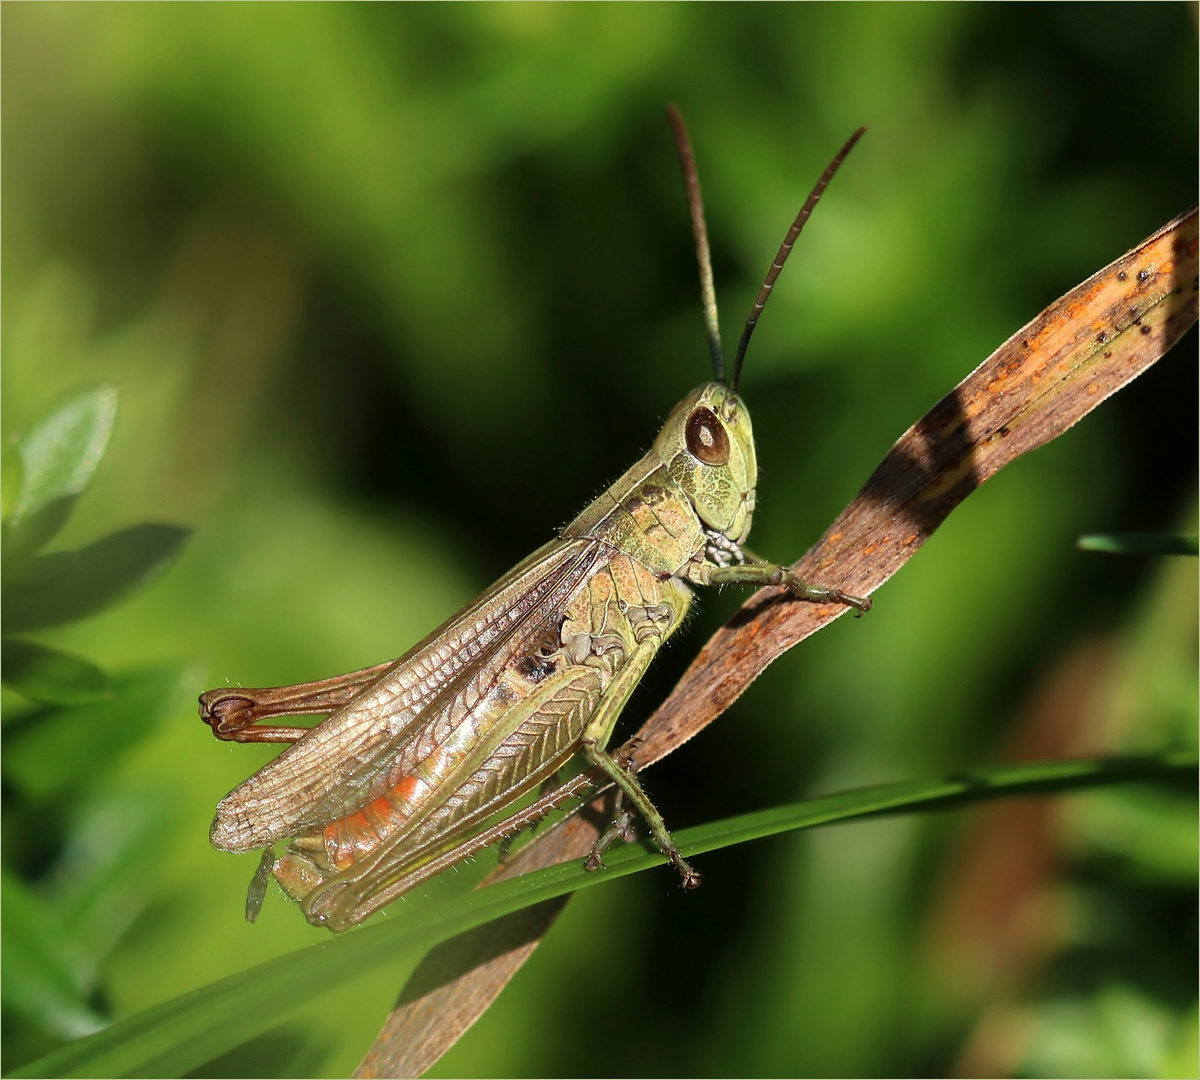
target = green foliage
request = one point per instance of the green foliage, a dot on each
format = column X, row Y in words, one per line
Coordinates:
column 51, row 675
column 58, row 457
column 389, row 291
column 54, row 751
column 86, row 723
column 68, row 585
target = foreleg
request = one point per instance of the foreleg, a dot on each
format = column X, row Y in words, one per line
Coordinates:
column 770, row 574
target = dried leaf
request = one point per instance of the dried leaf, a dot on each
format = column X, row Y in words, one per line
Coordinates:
column 1083, row 348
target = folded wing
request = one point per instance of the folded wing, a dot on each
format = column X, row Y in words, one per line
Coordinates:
column 400, row 718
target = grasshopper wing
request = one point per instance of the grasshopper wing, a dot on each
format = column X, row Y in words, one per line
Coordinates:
column 537, row 736
column 359, row 751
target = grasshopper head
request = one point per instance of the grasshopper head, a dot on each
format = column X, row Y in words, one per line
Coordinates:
column 707, row 445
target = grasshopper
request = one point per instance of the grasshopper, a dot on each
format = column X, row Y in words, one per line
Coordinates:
column 419, row 754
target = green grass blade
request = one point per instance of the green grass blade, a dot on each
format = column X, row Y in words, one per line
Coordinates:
column 183, row 1033
column 1138, row 543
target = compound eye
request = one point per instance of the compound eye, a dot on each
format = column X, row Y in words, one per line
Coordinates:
column 706, row 437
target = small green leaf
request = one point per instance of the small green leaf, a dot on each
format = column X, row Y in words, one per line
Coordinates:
column 68, row 585
column 1138, row 543
column 41, row 980
column 60, row 453
column 24, row 538
column 57, row 750
column 50, row 675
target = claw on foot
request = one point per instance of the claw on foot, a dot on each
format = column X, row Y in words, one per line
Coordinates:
column 689, row 879
column 861, row 604
column 620, row 829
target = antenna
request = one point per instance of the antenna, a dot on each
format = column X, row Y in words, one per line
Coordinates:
column 691, row 185
column 785, row 249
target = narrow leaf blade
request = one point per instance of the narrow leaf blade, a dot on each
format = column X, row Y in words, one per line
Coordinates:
column 183, row 1033
column 1133, row 543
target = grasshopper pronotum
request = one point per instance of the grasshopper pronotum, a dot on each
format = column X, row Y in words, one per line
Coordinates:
column 418, row 755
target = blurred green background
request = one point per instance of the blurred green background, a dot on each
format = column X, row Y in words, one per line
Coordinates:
column 388, row 292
